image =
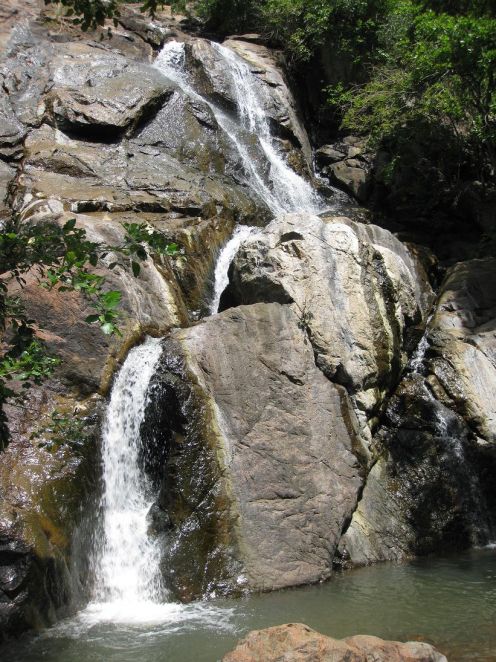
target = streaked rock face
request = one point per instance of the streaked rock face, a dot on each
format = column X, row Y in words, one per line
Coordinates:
column 356, row 289
column 432, row 487
column 461, row 336
column 281, row 444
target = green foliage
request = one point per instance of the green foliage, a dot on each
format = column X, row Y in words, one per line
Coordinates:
column 303, row 26
column 432, row 86
column 62, row 430
column 229, row 16
column 62, row 258
column 89, row 14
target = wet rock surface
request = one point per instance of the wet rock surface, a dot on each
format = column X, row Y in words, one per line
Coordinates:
column 296, row 642
column 281, row 444
column 430, row 489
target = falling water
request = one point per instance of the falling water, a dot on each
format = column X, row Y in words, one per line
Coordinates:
column 225, row 258
column 293, row 193
column 417, row 359
column 127, row 562
column 283, row 190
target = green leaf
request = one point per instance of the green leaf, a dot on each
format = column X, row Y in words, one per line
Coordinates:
column 70, row 225
column 111, row 299
column 91, row 319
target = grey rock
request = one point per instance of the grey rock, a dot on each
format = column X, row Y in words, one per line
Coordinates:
column 353, row 177
column 462, row 343
column 355, row 287
column 328, row 154
column 282, row 448
column 25, row 72
column 427, row 492
column 11, row 130
column 108, row 106
column 431, row 489
column 7, row 175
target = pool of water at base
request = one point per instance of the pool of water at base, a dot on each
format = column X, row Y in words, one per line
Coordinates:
column 449, row 602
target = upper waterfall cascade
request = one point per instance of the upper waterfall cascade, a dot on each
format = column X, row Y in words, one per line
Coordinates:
column 282, row 190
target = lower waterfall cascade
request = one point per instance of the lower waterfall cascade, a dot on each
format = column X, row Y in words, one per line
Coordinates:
column 127, row 558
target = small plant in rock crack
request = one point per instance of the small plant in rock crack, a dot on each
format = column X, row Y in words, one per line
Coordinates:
column 62, row 430
column 305, row 320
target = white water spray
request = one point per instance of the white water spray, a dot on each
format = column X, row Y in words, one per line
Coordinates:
column 127, row 568
column 292, row 192
column 226, row 256
column 283, row 190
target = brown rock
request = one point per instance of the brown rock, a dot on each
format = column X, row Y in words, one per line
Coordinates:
column 296, row 642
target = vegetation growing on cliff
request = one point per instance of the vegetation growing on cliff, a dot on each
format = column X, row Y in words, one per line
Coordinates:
column 62, row 258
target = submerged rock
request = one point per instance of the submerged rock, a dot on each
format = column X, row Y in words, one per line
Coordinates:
column 295, row 642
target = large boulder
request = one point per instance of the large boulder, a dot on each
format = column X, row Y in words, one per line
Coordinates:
column 262, row 468
column 432, row 486
column 296, row 642
column 107, row 106
column 356, row 289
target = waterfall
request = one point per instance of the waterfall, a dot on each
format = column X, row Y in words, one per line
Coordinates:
column 127, row 561
column 292, row 192
column 226, row 256
column 283, row 190
column 417, row 359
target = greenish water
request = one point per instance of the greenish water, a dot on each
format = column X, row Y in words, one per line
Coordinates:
column 449, row 602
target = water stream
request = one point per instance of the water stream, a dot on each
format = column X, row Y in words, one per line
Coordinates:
column 449, row 602
column 226, row 256
column 282, row 190
column 126, row 559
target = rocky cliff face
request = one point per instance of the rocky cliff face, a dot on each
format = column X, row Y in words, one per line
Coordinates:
column 90, row 130
column 298, row 428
